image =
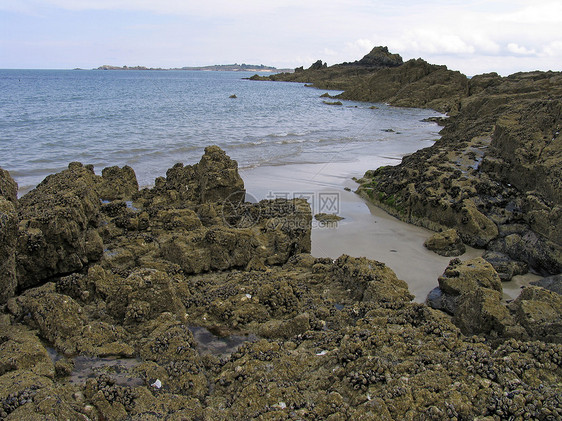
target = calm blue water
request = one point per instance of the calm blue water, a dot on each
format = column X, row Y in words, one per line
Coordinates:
column 152, row 119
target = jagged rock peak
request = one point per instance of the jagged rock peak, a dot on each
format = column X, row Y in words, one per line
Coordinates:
column 379, row 57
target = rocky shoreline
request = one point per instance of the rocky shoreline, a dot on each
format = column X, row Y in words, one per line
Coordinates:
column 183, row 301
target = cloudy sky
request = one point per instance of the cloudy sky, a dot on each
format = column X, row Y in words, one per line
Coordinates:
column 472, row 36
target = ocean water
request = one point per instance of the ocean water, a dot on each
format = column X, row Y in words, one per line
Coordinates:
column 151, row 120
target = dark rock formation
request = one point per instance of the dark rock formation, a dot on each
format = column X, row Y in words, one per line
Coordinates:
column 317, row 65
column 378, row 57
column 446, row 243
column 505, row 266
column 552, row 283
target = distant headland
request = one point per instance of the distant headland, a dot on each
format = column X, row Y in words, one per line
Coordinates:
column 214, row 68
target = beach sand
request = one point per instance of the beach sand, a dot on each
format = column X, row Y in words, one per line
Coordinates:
column 365, row 230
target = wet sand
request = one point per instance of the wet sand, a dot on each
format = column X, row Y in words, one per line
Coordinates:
column 365, row 230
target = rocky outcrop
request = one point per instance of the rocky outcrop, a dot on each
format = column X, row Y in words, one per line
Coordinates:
column 117, row 183
column 493, row 175
column 539, row 311
column 214, row 179
column 505, row 266
column 446, row 243
column 58, row 226
column 552, row 283
column 8, row 235
column 471, row 291
column 378, row 57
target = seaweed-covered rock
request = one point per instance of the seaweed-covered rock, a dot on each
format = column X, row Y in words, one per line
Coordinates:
column 481, row 311
column 21, row 349
column 462, row 278
column 504, row 266
column 539, row 311
column 446, row 243
column 552, row 283
column 117, row 183
column 370, row 280
column 214, row 179
column 57, row 230
column 58, row 317
column 8, row 242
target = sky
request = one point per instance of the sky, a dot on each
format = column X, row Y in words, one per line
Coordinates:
column 471, row 36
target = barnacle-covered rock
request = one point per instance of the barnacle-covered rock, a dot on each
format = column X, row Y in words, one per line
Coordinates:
column 57, row 229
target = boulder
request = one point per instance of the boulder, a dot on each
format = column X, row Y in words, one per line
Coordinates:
column 446, row 243
column 218, row 178
column 57, row 229
column 8, row 187
column 117, row 183
column 505, row 266
column 481, row 312
column 370, row 280
column 8, row 235
column 552, row 283
column 539, row 311
column 214, row 179
column 462, row 278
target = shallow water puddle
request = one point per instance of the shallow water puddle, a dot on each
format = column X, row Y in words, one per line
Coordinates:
column 209, row 343
column 120, row 370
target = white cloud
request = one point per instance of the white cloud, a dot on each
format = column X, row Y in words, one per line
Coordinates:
column 519, row 49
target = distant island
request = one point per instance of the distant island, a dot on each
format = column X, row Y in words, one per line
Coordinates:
column 214, row 68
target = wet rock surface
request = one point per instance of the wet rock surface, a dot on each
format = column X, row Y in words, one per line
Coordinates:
column 446, row 243
column 8, row 235
column 197, row 312
column 494, row 176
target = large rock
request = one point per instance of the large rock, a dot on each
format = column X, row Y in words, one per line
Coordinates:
column 370, row 280
column 57, row 229
column 8, row 235
column 481, row 312
column 539, row 311
column 117, row 183
column 504, row 266
column 462, row 278
column 214, row 179
column 446, row 243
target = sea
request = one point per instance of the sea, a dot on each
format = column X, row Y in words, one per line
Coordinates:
column 151, row 120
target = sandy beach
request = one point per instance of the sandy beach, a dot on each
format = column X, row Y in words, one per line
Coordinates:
column 365, row 231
